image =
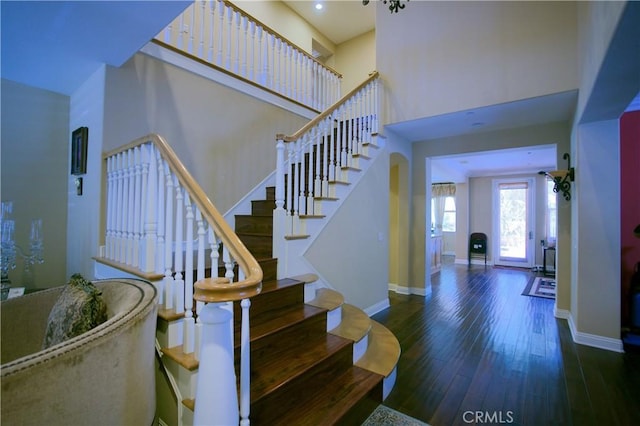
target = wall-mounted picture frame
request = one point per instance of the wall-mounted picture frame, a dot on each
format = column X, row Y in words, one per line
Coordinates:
column 79, row 143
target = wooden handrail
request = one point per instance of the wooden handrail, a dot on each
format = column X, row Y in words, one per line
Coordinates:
column 218, row 291
column 274, row 32
column 310, row 125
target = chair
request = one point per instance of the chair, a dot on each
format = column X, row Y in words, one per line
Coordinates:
column 478, row 246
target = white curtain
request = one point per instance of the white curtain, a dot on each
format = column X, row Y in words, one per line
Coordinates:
column 439, row 193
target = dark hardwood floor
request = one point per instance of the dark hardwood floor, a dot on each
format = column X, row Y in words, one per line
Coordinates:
column 476, row 351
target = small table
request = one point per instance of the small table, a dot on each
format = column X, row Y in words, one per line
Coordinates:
column 544, row 260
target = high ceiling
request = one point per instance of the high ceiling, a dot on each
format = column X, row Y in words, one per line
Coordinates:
column 338, row 20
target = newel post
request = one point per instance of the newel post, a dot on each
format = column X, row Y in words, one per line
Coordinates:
column 279, row 214
column 216, row 391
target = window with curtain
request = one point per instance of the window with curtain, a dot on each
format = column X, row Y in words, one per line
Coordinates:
column 443, row 207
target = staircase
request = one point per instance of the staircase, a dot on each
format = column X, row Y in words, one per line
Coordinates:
column 318, row 363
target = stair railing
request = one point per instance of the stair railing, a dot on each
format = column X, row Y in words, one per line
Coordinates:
column 159, row 224
column 222, row 35
column 318, row 154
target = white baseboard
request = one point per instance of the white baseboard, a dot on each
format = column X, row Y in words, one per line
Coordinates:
column 593, row 340
column 380, row 306
column 562, row 313
column 397, row 288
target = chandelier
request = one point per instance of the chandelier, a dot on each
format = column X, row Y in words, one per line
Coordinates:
column 394, row 5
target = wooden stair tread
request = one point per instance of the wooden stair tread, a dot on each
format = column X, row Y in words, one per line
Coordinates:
column 269, row 322
column 169, row 315
column 275, row 370
column 331, row 403
column 188, row 361
column 355, row 323
column 327, row 299
column 383, row 352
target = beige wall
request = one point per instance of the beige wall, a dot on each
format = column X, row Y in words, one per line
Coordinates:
column 225, row 139
column 357, row 267
column 451, row 56
column 355, row 59
column 35, row 169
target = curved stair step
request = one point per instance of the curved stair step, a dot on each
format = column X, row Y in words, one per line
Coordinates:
column 383, row 352
column 327, row 299
column 355, row 323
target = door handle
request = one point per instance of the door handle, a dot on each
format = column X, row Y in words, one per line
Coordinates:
column 531, row 235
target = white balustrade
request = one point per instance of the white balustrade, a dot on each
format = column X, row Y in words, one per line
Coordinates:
column 241, row 45
column 326, row 147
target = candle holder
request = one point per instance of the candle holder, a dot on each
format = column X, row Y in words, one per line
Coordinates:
column 11, row 251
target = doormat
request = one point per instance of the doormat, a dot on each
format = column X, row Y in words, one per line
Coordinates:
column 385, row 416
column 541, row 287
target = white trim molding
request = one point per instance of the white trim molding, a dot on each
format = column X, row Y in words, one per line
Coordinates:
column 594, row 340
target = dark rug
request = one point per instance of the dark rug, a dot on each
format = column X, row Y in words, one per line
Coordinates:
column 541, row 287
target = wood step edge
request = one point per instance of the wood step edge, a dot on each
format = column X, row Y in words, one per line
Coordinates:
column 296, row 237
column 383, row 352
column 312, row 216
column 353, row 169
column 169, row 315
column 190, row 403
column 338, row 182
column 355, row 324
column 327, row 299
column 305, row 278
column 363, row 156
column 187, row 361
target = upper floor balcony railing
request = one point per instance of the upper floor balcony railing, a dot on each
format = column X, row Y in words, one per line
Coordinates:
column 220, row 34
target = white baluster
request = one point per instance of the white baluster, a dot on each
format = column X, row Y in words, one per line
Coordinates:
column 245, row 28
column 335, row 143
column 178, row 248
column 259, row 65
column 227, row 63
column 202, row 13
column 297, row 184
column 168, row 244
column 236, row 61
column 181, row 31
column 188, row 340
column 129, row 210
column 252, row 57
column 192, row 11
column 220, row 32
column 137, row 208
column 328, row 137
column 149, row 185
column 160, row 208
column 279, row 214
column 291, row 190
column 120, row 207
column 212, row 10
column 110, row 207
column 167, row 33
column 296, row 54
column 271, row 61
column 302, row 203
column 314, row 82
column 277, row 72
column 265, row 60
column 245, row 364
column 228, row 264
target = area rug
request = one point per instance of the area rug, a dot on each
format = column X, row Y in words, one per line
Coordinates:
column 385, row 416
column 541, row 287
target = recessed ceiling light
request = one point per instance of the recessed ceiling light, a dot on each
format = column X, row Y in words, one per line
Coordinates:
column 318, row 6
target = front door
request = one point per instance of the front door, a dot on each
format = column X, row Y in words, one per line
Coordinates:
column 513, row 224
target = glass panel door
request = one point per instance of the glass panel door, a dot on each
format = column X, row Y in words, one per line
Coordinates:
column 513, row 222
